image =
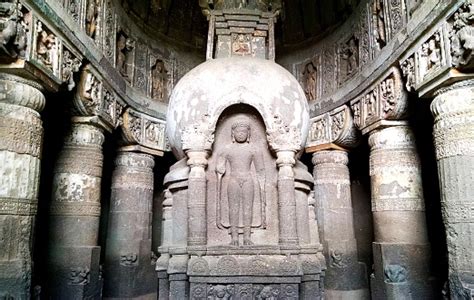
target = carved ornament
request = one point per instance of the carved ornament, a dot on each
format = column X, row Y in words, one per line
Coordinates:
column 283, row 137
column 144, row 131
column 332, row 128
column 199, row 136
column 95, row 99
column 383, row 101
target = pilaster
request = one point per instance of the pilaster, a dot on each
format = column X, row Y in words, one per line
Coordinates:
column 453, row 109
column 21, row 136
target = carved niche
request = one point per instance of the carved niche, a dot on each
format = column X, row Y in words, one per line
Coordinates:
column 310, row 79
column 160, row 78
column 92, row 18
column 379, row 31
column 241, row 184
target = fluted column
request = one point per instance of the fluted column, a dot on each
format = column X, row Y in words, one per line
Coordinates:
column 128, row 272
column 21, row 138
column 401, row 248
column 286, row 200
column 453, row 109
column 74, row 253
column 345, row 275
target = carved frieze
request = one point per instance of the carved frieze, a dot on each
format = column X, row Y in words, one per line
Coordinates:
column 143, row 130
column 384, row 100
column 208, row 291
column 335, row 127
column 96, row 99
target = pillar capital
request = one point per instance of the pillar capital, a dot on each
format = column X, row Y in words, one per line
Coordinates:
column 332, row 130
column 393, row 137
column 383, row 104
column 22, row 92
column 330, row 156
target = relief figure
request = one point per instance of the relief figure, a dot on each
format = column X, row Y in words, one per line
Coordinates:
column 236, row 164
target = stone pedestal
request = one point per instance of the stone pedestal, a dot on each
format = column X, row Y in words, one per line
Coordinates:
column 74, row 271
column 128, row 272
column 345, row 275
column 453, row 109
column 21, row 137
column 401, row 249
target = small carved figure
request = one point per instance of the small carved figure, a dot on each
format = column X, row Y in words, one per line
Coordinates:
column 310, row 81
column 79, row 276
column 350, row 53
column 128, row 259
column 408, row 69
column 159, row 80
column 125, row 47
column 462, row 35
column 92, row 13
column 337, row 259
column 70, row 65
column 45, row 45
column 395, row 274
column 241, row 44
column 378, row 24
column 236, row 163
column 434, row 52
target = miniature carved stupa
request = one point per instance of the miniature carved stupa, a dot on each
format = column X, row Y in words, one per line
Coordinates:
column 238, row 222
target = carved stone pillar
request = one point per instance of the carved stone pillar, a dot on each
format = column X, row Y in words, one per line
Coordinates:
column 197, row 221
column 401, row 248
column 75, row 212
column 345, row 275
column 286, row 200
column 453, row 109
column 21, row 137
column 128, row 272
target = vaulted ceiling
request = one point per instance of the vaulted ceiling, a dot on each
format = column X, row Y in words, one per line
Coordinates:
column 301, row 22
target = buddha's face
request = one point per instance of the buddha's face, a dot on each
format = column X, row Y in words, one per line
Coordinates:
column 241, row 134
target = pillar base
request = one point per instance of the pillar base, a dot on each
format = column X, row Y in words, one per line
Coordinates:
column 75, row 273
column 401, row 272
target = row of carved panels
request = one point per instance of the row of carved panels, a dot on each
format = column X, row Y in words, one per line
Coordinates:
column 448, row 44
column 374, row 25
column 386, row 99
column 26, row 35
column 96, row 98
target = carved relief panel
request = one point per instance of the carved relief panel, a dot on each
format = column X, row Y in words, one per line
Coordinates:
column 46, row 47
column 16, row 28
column 309, row 76
column 348, row 59
column 328, row 72
column 125, row 55
column 161, row 77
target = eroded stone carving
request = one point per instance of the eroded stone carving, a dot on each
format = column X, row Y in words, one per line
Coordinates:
column 14, row 25
column 348, row 59
column 159, row 80
column 125, row 55
column 395, row 274
column 129, row 259
column 385, row 100
column 79, row 276
column 310, row 80
column 378, row 24
column 70, row 65
column 92, row 17
column 236, row 163
column 46, row 47
column 462, row 36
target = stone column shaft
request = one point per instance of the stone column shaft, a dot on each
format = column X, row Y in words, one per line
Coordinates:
column 75, row 212
column 286, row 200
column 401, row 256
column 453, row 109
column 197, row 221
column 128, row 270
column 21, row 138
column 345, row 275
